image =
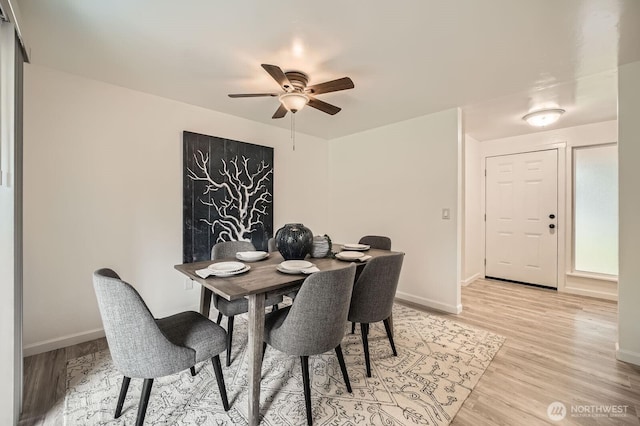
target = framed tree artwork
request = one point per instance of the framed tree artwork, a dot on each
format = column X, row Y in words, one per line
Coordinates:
column 227, row 192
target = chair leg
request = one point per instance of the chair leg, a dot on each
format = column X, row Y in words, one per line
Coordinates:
column 387, row 327
column 364, row 329
column 353, row 328
column 343, row 367
column 123, row 393
column 229, row 339
column 217, row 368
column 193, row 371
column 304, row 360
column 219, row 318
column 144, row 401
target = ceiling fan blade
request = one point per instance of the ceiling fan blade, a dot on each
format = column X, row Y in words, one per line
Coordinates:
column 251, row 95
column 323, row 106
column 280, row 112
column 343, row 83
column 278, row 75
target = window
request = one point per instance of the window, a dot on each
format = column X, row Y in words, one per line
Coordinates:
column 595, row 196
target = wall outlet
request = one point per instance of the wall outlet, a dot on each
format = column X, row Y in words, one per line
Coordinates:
column 446, row 214
column 188, row 284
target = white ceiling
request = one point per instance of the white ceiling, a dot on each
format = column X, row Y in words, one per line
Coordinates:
column 497, row 59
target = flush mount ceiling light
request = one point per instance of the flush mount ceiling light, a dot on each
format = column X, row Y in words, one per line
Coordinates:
column 543, row 117
column 294, row 101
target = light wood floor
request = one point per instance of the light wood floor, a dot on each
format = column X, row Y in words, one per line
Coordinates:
column 558, row 348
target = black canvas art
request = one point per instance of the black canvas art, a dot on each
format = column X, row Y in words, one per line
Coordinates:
column 228, row 194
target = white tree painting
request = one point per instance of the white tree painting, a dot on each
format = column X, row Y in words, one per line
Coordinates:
column 240, row 195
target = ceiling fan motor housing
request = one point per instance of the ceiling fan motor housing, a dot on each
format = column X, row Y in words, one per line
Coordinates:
column 297, row 79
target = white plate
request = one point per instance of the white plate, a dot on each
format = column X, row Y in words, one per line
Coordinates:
column 287, row 271
column 359, row 247
column 349, row 255
column 296, row 271
column 230, row 273
column 251, row 256
column 295, row 265
column 226, row 266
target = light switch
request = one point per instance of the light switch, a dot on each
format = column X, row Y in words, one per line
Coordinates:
column 445, row 214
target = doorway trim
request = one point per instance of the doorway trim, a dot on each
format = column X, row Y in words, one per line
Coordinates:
column 561, row 148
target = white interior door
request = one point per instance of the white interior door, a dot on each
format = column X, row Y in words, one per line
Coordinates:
column 522, row 217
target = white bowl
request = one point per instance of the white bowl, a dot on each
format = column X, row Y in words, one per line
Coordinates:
column 226, row 266
column 251, row 255
column 356, row 247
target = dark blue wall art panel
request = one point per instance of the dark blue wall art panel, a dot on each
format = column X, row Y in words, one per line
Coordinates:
column 228, row 194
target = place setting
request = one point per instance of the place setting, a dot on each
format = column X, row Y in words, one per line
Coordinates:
column 354, row 253
column 223, row 269
column 297, row 267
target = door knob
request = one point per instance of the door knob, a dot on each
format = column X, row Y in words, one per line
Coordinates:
column 551, row 226
column 552, row 216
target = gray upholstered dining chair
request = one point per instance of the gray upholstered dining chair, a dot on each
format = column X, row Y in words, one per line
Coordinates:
column 376, row 242
column 231, row 308
column 372, row 298
column 314, row 323
column 271, row 245
column 144, row 347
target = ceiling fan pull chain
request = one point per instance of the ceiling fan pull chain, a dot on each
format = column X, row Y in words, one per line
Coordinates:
column 293, row 130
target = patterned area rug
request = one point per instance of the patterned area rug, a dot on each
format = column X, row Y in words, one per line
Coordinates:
column 438, row 364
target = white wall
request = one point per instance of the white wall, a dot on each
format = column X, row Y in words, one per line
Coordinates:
column 563, row 139
column 629, row 176
column 473, row 184
column 395, row 180
column 590, row 134
column 103, row 188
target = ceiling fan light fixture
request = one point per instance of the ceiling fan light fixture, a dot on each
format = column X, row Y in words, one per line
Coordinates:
column 543, row 117
column 296, row 92
column 294, row 101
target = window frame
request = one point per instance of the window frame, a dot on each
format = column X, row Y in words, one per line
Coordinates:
column 573, row 271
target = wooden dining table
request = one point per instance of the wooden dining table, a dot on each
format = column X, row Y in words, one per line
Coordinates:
column 261, row 281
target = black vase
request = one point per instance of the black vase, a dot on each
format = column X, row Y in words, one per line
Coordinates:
column 294, row 241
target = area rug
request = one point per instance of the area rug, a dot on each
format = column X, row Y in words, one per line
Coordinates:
column 438, row 364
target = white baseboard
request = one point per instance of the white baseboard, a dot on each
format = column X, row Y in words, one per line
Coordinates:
column 434, row 304
column 627, row 356
column 472, row 278
column 62, row 342
column 84, row 336
column 589, row 293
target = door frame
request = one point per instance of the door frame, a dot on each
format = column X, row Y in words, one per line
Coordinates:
column 562, row 223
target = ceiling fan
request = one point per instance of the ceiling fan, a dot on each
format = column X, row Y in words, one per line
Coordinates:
column 296, row 92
